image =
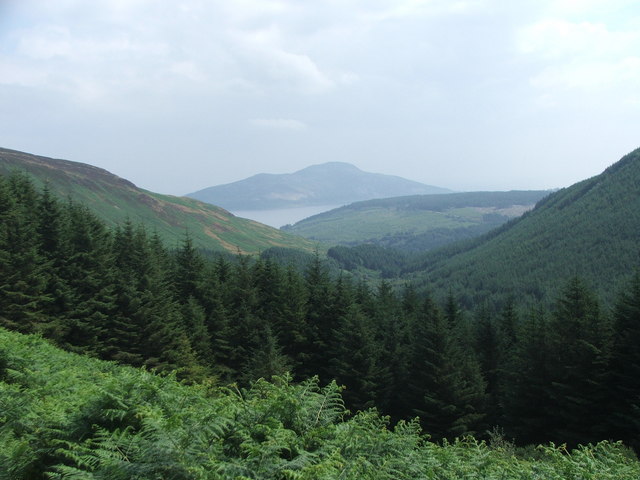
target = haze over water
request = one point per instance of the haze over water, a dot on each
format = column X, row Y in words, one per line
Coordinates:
column 283, row 216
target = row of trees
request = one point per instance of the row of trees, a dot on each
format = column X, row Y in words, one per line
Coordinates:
column 569, row 374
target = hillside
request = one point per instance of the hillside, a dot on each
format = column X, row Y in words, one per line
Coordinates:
column 115, row 199
column 416, row 223
column 590, row 230
column 68, row 416
column 333, row 183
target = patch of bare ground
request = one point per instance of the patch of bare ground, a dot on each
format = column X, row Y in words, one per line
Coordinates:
column 226, row 245
column 155, row 205
column 512, row 211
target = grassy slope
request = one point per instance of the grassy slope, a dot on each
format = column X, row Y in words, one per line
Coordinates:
column 115, row 199
column 591, row 229
column 387, row 221
column 66, row 416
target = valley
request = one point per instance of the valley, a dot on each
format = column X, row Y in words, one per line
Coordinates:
column 467, row 347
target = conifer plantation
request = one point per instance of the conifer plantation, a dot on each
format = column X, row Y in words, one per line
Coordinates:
column 368, row 381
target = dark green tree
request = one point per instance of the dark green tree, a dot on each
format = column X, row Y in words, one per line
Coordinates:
column 265, row 359
column 624, row 405
column 445, row 389
column 356, row 362
column 580, row 346
column 88, row 274
column 528, row 401
column 23, row 278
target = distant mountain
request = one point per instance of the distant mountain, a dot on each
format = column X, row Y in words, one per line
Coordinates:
column 590, row 230
column 115, row 199
column 333, row 183
column 418, row 222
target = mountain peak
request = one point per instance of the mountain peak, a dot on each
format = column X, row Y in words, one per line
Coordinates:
column 331, row 183
column 331, row 167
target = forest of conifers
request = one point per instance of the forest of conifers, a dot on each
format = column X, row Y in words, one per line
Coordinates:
column 566, row 373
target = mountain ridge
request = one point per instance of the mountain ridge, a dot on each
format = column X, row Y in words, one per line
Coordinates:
column 116, row 199
column 331, row 183
column 589, row 229
column 417, row 222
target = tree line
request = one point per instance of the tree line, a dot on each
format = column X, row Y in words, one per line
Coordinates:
column 568, row 373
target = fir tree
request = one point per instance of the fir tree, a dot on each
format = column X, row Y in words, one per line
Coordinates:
column 23, row 278
column 447, row 392
column 265, row 359
column 580, row 339
column 320, row 319
column 624, row 405
column 88, row 274
column 188, row 273
column 356, row 361
column 528, row 401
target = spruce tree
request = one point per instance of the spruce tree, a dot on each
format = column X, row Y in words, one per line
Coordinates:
column 52, row 225
column 320, row 319
column 244, row 325
column 446, row 391
column 217, row 320
column 23, row 279
column 580, row 342
column 265, row 359
column 356, row 361
column 624, row 405
column 488, row 351
column 194, row 318
column 390, row 331
column 88, row 275
column 291, row 326
column 528, row 401
column 188, row 274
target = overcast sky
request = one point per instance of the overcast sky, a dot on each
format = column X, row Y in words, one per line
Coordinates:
column 180, row 95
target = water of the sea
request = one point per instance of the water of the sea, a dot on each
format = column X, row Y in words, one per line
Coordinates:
column 283, row 216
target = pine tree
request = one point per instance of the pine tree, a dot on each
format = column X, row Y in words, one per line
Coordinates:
column 244, row 325
column 51, row 224
column 125, row 331
column 390, row 331
column 265, row 359
column 488, row 351
column 290, row 327
column 446, row 390
column 194, row 318
column 23, row 279
column 217, row 319
column 87, row 273
column 507, row 324
column 355, row 361
column 624, row 405
column 580, row 342
column 528, row 402
column 188, row 273
column 320, row 319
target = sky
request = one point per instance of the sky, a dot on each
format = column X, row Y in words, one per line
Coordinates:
column 178, row 95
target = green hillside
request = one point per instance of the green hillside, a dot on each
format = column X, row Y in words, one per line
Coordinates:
column 590, row 230
column 418, row 222
column 67, row 416
column 115, row 199
column 120, row 295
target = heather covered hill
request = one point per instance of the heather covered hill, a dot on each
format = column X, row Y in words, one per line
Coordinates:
column 333, row 183
column 590, row 230
column 115, row 199
column 416, row 223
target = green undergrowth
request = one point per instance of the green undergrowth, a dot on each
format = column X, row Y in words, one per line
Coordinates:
column 67, row 416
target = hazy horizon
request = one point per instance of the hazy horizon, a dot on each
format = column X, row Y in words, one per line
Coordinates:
column 463, row 94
